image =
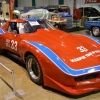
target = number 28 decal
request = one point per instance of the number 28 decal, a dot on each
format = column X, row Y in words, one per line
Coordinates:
column 82, row 49
column 14, row 45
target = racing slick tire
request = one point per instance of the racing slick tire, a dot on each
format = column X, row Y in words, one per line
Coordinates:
column 95, row 31
column 34, row 69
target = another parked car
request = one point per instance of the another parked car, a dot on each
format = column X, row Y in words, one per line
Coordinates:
column 93, row 26
column 90, row 11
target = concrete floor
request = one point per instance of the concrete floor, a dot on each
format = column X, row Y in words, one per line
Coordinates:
column 31, row 91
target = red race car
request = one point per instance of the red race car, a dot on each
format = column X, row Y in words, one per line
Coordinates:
column 66, row 62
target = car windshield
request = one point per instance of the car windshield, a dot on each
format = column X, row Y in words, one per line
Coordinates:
column 24, row 27
column 33, row 26
column 41, row 24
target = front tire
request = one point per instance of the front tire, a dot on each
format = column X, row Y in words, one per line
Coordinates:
column 95, row 31
column 34, row 69
column 3, row 51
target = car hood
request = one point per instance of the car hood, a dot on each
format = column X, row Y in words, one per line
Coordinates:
column 66, row 43
column 75, row 50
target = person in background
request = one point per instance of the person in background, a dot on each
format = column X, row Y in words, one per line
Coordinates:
column 15, row 16
column 77, row 13
column 54, row 17
column 28, row 16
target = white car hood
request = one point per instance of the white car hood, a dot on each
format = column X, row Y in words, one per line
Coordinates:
column 38, row 13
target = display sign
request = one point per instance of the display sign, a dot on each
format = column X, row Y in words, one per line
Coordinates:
column 34, row 23
column 11, row 8
column 92, row 1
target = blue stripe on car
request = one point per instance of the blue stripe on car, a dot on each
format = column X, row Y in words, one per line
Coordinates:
column 32, row 19
column 60, row 64
column 1, row 31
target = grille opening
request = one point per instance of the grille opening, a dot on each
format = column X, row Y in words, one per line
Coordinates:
column 86, row 77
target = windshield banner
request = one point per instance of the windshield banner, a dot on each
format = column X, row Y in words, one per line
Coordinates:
column 91, row 1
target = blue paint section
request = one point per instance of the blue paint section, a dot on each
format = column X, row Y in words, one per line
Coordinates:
column 93, row 38
column 1, row 31
column 32, row 19
column 60, row 64
column 89, row 24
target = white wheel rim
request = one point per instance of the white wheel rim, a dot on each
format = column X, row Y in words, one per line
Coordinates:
column 96, row 31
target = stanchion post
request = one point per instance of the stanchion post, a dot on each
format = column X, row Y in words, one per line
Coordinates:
column 13, row 82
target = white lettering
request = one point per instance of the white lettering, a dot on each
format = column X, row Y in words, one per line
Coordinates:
column 85, row 56
column 14, row 45
column 11, row 44
column 82, row 49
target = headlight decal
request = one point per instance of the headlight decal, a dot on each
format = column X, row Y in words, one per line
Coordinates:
column 60, row 64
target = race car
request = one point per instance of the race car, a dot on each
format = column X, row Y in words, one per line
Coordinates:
column 67, row 62
column 93, row 26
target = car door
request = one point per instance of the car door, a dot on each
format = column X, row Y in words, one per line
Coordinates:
column 12, row 42
column 11, row 39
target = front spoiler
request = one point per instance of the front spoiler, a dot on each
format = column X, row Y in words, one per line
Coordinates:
column 80, row 88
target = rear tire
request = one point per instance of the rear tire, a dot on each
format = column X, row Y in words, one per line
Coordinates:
column 34, row 69
column 95, row 31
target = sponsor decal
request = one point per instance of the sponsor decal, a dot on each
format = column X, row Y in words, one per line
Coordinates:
column 11, row 44
column 34, row 23
column 85, row 56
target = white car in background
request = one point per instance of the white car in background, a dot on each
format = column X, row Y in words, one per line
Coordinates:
column 38, row 13
column 90, row 10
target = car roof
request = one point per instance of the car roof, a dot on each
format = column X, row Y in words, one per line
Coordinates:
column 24, row 20
column 17, row 20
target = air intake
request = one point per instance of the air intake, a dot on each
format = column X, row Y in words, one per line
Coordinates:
column 86, row 77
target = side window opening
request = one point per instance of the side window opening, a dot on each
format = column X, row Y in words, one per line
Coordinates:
column 25, row 27
column 13, row 28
